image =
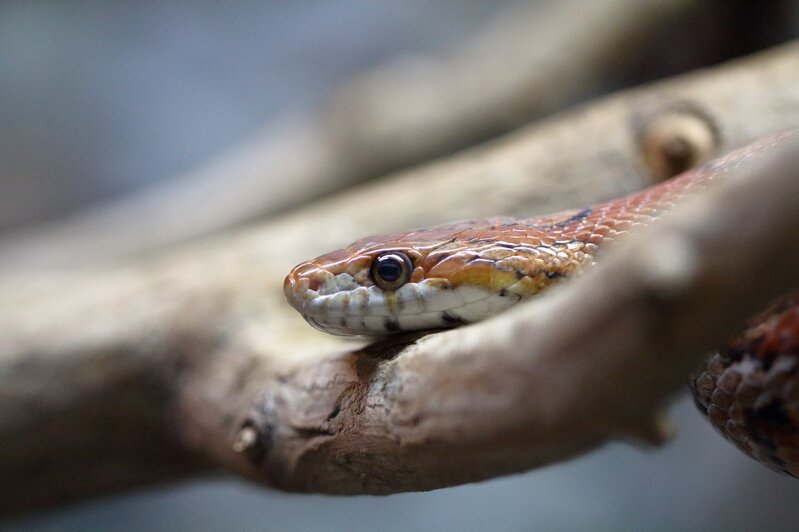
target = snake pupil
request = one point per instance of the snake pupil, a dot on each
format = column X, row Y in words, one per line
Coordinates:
column 391, row 270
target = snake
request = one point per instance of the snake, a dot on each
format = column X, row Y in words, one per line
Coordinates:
column 458, row 273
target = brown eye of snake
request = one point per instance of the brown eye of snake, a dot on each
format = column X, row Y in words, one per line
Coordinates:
column 391, row 270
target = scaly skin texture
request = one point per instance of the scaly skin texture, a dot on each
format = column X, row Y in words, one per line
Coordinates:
column 466, row 271
column 750, row 388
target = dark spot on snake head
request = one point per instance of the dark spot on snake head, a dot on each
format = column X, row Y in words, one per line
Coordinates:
column 452, row 320
column 504, row 293
column 554, row 275
column 391, row 324
column 583, row 214
column 519, row 274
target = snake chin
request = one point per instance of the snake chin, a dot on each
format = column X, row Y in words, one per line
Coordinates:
column 370, row 311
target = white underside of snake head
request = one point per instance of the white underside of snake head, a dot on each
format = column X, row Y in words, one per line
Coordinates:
column 342, row 306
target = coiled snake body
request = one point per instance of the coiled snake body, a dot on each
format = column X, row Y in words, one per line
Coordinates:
column 462, row 272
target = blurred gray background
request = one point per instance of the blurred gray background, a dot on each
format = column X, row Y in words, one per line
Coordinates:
column 98, row 99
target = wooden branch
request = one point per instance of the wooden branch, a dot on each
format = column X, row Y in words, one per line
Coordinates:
column 147, row 372
column 390, row 118
column 555, row 377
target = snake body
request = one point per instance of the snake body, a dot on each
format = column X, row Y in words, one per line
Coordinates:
column 458, row 273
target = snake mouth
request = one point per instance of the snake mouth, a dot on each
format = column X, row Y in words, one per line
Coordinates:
column 296, row 290
column 371, row 311
column 329, row 329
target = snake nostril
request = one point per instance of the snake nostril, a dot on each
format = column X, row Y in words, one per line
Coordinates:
column 288, row 286
column 295, row 289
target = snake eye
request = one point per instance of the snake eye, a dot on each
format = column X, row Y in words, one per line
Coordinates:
column 391, row 270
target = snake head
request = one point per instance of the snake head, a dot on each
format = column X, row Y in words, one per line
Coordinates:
column 433, row 278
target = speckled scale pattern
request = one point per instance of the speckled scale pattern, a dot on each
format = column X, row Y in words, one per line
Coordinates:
column 749, row 390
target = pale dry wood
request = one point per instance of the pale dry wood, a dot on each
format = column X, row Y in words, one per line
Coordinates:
column 139, row 370
column 593, row 360
column 520, row 66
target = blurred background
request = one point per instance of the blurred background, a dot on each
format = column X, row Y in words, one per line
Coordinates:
column 98, row 99
column 101, row 102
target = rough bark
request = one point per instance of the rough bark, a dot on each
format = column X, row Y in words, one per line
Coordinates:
column 150, row 371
